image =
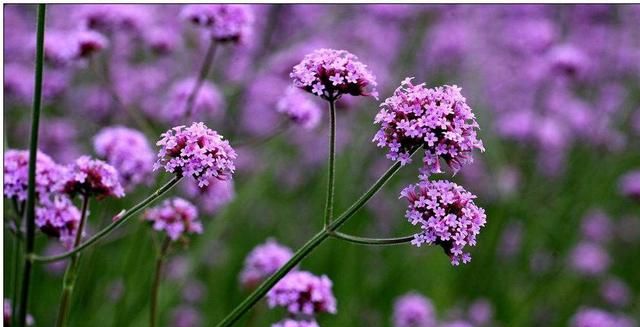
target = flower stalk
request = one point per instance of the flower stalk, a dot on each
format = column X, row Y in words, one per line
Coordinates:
column 328, row 209
column 155, row 287
column 202, row 75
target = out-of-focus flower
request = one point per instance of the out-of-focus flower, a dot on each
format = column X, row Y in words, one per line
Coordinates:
column 630, row 185
column 510, row 240
column 193, row 291
column 596, row 226
column 480, row 312
column 113, row 17
column 16, row 177
column 262, row 261
column 196, row 151
column 296, row 323
column 63, row 47
column 128, row 151
column 175, row 216
column 301, row 292
column 186, row 316
column 6, row 310
column 299, row 108
column 413, row 310
column 91, row 177
column 593, row 317
column 568, row 60
column 438, row 119
column 213, row 197
column 225, row 22
column 331, row 73
column 447, row 216
column 17, row 82
column 589, row 259
column 59, row 218
column 56, row 268
column 208, row 102
column 615, row 292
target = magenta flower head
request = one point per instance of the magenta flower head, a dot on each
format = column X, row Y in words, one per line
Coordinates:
column 296, row 323
column 225, row 22
column 330, row 73
column 262, row 261
column 59, row 218
column 128, row 151
column 413, row 310
column 16, row 178
column 299, row 109
column 301, row 292
column 91, row 177
column 438, row 120
column 196, row 151
column 213, row 196
column 447, row 215
column 592, row 317
column 630, row 185
column 207, row 103
column 175, row 217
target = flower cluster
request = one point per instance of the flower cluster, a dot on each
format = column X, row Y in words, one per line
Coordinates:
column 413, row 310
column 331, row 73
column 437, row 119
column 296, row 323
column 226, row 22
column 589, row 259
column 196, row 151
column 128, row 151
column 592, row 317
column 59, row 218
column 213, row 196
column 207, row 103
column 16, row 177
column 447, row 216
column 175, row 217
column 301, row 292
column 262, row 261
column 91, row 177
column 630, row 185
column 299, row 109
column 63, row 47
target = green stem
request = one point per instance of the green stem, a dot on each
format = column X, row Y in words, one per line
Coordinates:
column 121, row 220
column 156, row 281
column 307, row 248
column 16, row 271
column 372, row 241
column 202, row 75
column 33, row 149
column 328, row 209
column 71, row 273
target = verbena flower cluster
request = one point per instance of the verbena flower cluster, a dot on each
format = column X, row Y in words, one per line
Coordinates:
column 196, row 151
column 91, row 177
column 63, row 47
column 296, row 323
column 128, row 151
column 263, row 261
column 208, row 103
column 303, row 293
column 438, row 120
column 225, row 22
column 447, row 216
column 299, row 108
column 59, row 218
column 593, row 317
column 413, row 310
column 16, row 178
column 175, row 217
column 331, row 73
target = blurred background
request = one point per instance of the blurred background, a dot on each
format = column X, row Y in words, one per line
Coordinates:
column 555, row 90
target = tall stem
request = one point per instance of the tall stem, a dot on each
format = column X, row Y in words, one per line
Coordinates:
column 156, row 281
column 33, row 149
column 71, row 274
column 307, row 248
column 373, row 241
column 121, row 220
column 202, row 75
column 328, row 208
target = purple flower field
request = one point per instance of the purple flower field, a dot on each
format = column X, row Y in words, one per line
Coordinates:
column 305, row 165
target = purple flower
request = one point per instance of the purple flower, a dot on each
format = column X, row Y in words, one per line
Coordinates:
column 175, row 216
column 59, row 218
column 480, row 312
column 413, row 310
column 296, row 323
column 196, row 151
column 225, row 22
column 568, row 60
column 91, row 177
column 6, row 313
column 331, row 73
column 186, row 316
column 630, row 185
column 207, row 103
column 438, row 119
column 299, row 108
column 113, row 18
column 213, row 196
column 592, row 317
column 193, row 291
column 63, row 47
column 596, row 226
column 16, row 178
column 589, row 259
column 301, row 292
column 447, row 216
column 128, row 151
column 262, row 261
column 615, row 292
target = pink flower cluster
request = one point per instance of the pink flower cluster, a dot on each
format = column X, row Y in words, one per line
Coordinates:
column 413, row 310
column 593, row 317
column 196, row 151
column 263, row 261
column 175, row 217
column 59, row 218
column 447, row 216
column 16, row 177
column 331, row 73
column 91, row 177
column 301, row 292
column 437, row 119
column 226, row 22
column 299, row 108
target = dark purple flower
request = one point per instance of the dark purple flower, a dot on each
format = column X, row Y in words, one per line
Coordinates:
column 301, row 292
column 262, row 261
column 91, row 177
column 225, row 22
column 16, row 178
column 175, row 216
column 413, row 310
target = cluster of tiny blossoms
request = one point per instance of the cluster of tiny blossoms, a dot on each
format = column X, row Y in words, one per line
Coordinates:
column 225, row 22
column 91, row 177
column 413, row 310
column 447, row 216
column 331, row 73
column 196, row 151
column 299, row 108
column 175, row 217
column 263, row 261
column 16, row 177
column 437, row 119
column 303, row 293
column 59, row 218
column 128, row 151
column 592, row 317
